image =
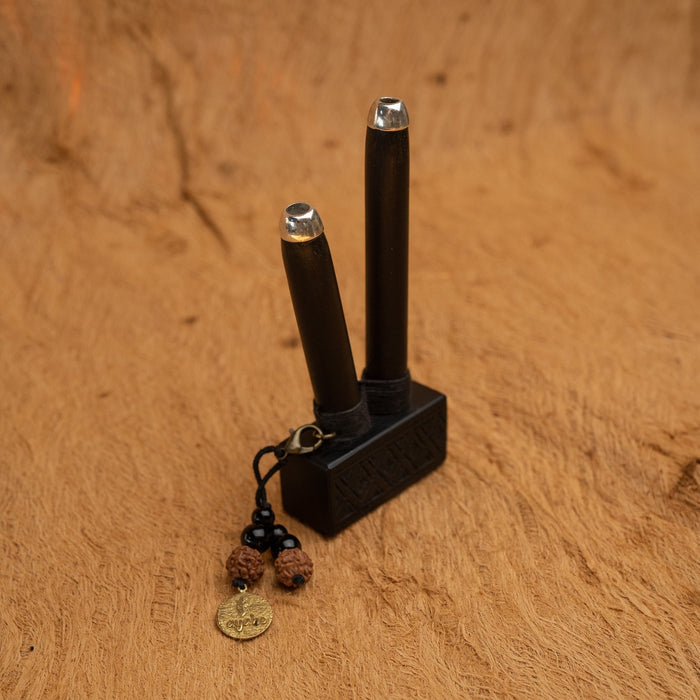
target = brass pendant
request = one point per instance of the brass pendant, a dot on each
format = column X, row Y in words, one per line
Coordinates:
column 244, row 616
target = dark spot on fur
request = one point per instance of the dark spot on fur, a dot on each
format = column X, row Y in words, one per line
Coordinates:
column 226, row 168
column 687, row 488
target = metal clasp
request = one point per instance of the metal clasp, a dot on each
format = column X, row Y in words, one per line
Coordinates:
column 293, row 446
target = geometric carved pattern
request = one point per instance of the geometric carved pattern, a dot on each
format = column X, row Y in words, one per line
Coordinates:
column 364, row 484
column 335, row 486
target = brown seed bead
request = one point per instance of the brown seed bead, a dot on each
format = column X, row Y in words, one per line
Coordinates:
column 293, row 567
column 246, row 563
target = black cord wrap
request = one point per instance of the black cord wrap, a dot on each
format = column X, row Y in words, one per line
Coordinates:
column 388, row 396
column 347, row 425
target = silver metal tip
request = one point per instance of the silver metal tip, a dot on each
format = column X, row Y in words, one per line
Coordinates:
column 300, row 222
column 388, row 114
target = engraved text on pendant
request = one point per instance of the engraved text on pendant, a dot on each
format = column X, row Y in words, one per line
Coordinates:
column 244, row 616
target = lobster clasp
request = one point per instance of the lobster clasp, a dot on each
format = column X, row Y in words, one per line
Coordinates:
column 294, row 445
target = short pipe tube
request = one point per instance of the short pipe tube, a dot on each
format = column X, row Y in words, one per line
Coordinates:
column 318, row 310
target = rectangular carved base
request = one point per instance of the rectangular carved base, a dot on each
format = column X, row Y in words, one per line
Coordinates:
column 338, row 484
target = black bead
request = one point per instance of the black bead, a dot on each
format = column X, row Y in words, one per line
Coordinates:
column 255, row 536
column 298, row 579
column 285, row 542
column 264, row 515
column 277, row 531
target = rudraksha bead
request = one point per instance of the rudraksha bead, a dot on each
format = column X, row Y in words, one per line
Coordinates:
column 245, row 563
column 293, row 567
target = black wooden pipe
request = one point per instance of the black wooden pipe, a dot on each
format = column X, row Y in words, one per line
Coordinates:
column 386, row 240
column 318, row 309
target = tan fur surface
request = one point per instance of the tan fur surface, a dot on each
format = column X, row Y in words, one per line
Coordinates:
column 148, row 346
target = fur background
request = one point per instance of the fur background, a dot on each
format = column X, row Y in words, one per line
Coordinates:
column 149, row 346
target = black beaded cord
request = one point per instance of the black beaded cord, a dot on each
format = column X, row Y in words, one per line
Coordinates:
column 264, row 533
column 281, row 455
column 283, row 542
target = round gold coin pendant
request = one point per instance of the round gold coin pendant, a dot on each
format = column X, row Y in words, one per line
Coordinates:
column 244, row 616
